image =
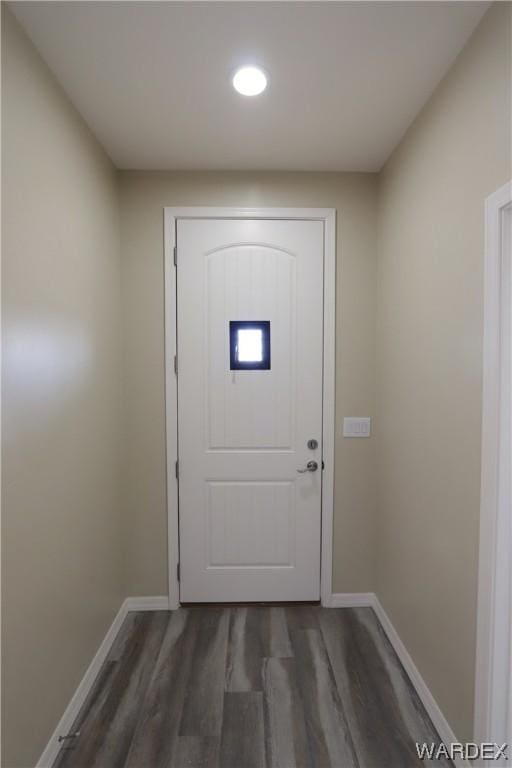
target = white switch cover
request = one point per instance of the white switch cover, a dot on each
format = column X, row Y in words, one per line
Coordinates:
column 357, row 426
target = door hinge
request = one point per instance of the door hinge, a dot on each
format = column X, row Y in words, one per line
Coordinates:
column 178, row 573
column 177, row 469
column 175, row 255
column 176, row 364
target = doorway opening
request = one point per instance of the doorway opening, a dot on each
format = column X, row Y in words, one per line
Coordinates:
column 249, row 350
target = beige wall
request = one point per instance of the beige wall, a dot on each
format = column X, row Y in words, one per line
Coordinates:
column 143, row 196
column 429, row 345
column 61, row 563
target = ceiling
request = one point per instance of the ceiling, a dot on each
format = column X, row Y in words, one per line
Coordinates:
column 152, row 79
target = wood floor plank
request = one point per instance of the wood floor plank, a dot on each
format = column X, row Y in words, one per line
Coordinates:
column 286, row 743
column 302, row 617
column 124, row 636
column 243, row 740
column 280, row 646
column 201, row 723
column 107, row 732
column 128, row 690
column 384, row 712
column 94, row 723
column 255, row 633
column 155, row 738
column 96, row 699
column 86, row 719
column 330, row 743
column 243, row 665
column 411, row 708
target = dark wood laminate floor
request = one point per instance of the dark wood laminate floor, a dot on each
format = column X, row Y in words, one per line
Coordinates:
column 251, row 687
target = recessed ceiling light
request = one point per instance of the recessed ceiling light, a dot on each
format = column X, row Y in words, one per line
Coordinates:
column 249, row 81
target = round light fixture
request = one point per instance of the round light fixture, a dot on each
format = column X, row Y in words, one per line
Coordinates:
column 249, row 81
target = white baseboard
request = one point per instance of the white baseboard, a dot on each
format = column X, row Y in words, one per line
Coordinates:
column 66, row 722
column 148, row 603
column 434, row 711
column 351, row 600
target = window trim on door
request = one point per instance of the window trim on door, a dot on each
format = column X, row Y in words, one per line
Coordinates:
column 328, row 217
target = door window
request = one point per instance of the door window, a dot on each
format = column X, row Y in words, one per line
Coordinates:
column 249, row 344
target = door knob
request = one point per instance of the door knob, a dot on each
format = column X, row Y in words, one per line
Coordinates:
column 311, row 466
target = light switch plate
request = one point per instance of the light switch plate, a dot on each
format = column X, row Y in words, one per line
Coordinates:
column 357, row 426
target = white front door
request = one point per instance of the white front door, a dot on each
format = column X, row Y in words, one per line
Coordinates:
column 250, row 359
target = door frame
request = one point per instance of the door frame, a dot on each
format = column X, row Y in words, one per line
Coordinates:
column 328, row 217
column 495, row 565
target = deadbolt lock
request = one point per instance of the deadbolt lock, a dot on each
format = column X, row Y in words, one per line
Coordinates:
column 312, row 444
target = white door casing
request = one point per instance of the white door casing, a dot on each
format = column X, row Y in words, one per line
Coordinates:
column 328, row 219
column 493, row 690
column 249, row 522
